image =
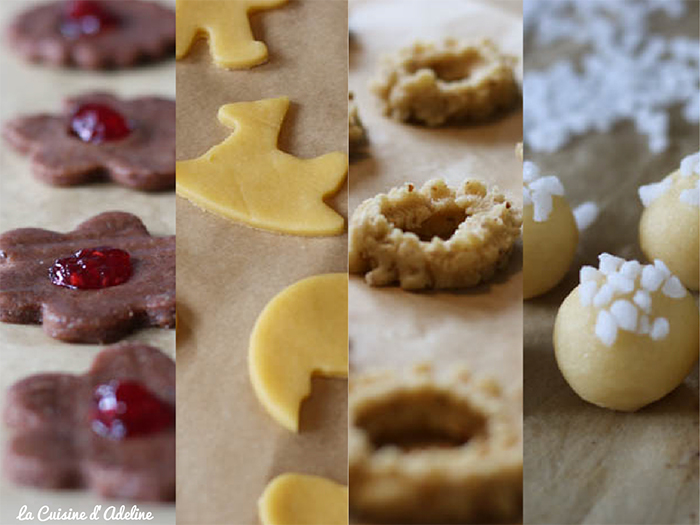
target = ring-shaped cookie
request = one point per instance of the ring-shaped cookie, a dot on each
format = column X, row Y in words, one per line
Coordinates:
column 434, row 83
column 435, row 237
column 424, row 450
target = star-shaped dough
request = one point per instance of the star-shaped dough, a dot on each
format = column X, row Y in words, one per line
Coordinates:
column 225, row 23
column 246, row 178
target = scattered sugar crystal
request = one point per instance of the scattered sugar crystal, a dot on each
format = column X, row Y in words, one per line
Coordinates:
column 652, row 278
column 643, row 300
column 604, row 296
column 651, row 192
column 585, row 214
column 644, row 325
column 609, row 264
column 606, row 328
column 631, row 269
column 530, row 171
column 542, row 203
column 691, row 196
column 673, row 288
column 660, row 328
column 661, row 266
column 625, row 314
column 690, row 165
column 586, row 292
column 620, row 282
column 589, row 273
column 549, row 184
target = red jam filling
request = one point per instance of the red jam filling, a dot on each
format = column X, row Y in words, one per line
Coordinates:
column 125, row 409
column 98, row 123
column 86, row 17
column 91, row 269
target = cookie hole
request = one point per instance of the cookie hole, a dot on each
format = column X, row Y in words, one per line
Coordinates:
column 442, row 224
column 451, row 68
column 421, row 420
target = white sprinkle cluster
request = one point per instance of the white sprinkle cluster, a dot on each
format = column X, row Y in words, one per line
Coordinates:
column 538, row 191
column 690, row 167
column 605, row 286
column 651, row 72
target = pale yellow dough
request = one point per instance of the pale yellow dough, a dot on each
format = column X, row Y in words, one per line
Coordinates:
column 636, row 370
column 301, row 499
column 548, row 247
column 246, row 178
column 225, row 23
column 303, row 331
column 669, row 230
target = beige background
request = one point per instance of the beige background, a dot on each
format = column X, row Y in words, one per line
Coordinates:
column 228, row 446
column 482, row 327
column 24, row 202
column 584, row 464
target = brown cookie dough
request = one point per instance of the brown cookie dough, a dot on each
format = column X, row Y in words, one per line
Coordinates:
column 132, row 32
column 56, row 445
column 429, row 450
column 143, row 160
column 435, row 84
column 146, row 299
column 357, row 136
column 435, row 237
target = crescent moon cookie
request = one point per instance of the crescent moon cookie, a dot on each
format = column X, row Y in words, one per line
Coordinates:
column 424, row 449
column 669, row 226
column 225, row 24
column 435, row 237
column 550, row 234
column 438, row 83
column 627, row 335
column 246, row 178
column 302, row 332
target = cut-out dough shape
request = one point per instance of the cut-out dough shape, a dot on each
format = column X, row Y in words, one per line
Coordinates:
column 301, row 499
column 225, row 23
column 246, row 178
column 302, row 332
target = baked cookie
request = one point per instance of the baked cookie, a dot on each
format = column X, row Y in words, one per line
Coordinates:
column 94, row 34
column 95, row 284
column 627, row 335
column 669, row 226
column 99, row 136
column 435, row 237
column 430, row 450
column 550, row 233
column 357, row 136
column 110, row 430
column 439, row 83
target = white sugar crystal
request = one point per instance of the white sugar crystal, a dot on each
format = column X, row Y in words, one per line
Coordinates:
column 643, row 300
column 660, row 328
column 631, row 269
column 644, row 325
column 609, row 264
column 585, row 214
column 542, row 203
column 589, row 273
column 621, row 283
column 651, row 192
column 691, row 196
column 661, row 266
column 652, row 278
column 549, row 184
column 604, row 296
column 606, row 328
column 530, row 171
column 690, row 165
column 673, row 288
column 586, row 292
column 625, row 314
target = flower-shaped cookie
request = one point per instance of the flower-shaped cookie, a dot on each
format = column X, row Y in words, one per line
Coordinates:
column 59, row 421
column 134, row 147
column 92, row 34
column 28, row 293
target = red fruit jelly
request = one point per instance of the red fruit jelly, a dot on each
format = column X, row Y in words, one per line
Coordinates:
column 126, row 409
column 92, row 268
column 86, row 17
column 98, row 123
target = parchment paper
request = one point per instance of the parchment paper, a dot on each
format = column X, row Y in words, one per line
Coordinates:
column 585, row 464
column 24, row 202
column 229, row 448
column 390, row 328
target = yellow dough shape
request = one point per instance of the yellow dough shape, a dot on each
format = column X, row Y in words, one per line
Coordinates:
column 301, row 499
column 225, row 23
column 246, row 178
column 303, row 331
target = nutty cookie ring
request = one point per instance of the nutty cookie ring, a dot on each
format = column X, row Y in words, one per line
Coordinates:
column 434, row 84
column 435, row 237
column 428, row 451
